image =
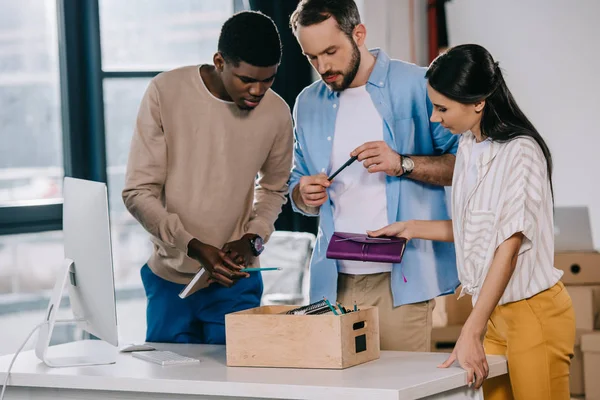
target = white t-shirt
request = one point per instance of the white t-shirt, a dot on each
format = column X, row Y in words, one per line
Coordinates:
column 358, row 197
column 476, row 151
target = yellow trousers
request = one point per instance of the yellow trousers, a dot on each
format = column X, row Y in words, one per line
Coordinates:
column 537, row 336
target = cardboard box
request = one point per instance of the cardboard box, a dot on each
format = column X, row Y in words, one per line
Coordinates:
column 576, row 373
column 443, row 339
column 590, row 347
column 449, row 310
column 586, row 301
column 264, row 337
column 458, row 310
column 580, row 268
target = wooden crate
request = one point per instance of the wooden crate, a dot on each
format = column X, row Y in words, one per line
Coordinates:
column 264, row 337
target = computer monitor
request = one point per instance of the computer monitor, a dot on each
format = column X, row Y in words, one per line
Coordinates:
column 88, row 274
column 572, row 229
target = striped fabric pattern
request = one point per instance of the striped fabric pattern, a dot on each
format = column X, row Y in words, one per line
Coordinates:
column 512, row 194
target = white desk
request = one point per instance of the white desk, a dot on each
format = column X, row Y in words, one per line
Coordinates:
column 396, row 375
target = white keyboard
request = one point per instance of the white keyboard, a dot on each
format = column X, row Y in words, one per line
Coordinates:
column 164, row 357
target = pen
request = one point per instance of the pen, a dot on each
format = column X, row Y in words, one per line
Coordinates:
column 260, row 269
column 350, row 161
column 343, row 311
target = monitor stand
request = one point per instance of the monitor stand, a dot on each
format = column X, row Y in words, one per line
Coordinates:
column 93, row 352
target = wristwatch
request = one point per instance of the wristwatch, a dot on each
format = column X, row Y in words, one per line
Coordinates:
column 407, row 165
column 257, row 245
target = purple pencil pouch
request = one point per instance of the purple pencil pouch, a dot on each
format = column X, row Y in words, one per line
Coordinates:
column 361, row 247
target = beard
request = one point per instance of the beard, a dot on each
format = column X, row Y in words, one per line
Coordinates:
column 349, row 74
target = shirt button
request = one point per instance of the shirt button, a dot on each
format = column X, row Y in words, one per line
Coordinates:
column 335, row 106
column 322, row 169
column 381, row 83
column 329, row 138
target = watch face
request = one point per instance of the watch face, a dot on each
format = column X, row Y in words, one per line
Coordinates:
column 407, row 164
column 258, row 244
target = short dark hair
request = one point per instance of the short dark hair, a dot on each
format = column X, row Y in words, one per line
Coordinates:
column 251, row 37
column 311, row 12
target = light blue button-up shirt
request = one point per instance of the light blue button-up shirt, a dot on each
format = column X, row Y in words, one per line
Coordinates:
column 399, row 93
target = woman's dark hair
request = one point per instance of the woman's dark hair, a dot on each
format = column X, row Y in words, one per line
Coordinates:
column 468, row 74
column 251, row 37
column 311, row 12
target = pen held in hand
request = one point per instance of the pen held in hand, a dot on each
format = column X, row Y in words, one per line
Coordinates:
column 347, row 163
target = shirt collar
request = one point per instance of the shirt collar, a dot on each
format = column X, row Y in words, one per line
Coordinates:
column 379, row 73
column 489, row 154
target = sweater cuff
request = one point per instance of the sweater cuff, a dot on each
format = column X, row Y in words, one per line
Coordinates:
column 260, row 228
column 182, row 239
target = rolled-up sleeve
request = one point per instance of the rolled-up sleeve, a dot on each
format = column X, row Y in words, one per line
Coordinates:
column 299, row 168
column 523, row 195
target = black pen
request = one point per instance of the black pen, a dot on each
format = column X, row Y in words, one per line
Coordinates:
column 350, row 161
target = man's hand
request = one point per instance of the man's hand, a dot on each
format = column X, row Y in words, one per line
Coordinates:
column 471, row 357
column 221, row 267
column 240, row 251
column 379, row 157
column 313, row 189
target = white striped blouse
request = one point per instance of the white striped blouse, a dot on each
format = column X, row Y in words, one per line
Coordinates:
column 511, row 194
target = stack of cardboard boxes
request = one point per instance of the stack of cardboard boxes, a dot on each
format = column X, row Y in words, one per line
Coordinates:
column 449, row 315
column 582, row 279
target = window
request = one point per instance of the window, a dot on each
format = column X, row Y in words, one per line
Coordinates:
column 141, row 38
column 31, row 162
column 131, row 246
column 56, row 99
column 158, row 35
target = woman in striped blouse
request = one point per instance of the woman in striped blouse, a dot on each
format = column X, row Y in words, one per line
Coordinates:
column 502, row 209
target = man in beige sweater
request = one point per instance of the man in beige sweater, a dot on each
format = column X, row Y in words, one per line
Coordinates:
column 203, row 135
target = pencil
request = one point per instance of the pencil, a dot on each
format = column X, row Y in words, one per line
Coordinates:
column 330, row 306
column 260, row 269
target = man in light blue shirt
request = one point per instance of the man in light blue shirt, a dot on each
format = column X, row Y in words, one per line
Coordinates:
column 369, row 106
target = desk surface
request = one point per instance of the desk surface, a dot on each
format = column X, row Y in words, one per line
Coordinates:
column 395, row 375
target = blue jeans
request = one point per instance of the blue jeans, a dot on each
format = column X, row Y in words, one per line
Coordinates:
column 199, row 318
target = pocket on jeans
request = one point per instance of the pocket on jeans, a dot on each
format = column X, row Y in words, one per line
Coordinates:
column 562, row 297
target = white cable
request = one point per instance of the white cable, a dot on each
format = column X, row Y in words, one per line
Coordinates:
column 38, row 326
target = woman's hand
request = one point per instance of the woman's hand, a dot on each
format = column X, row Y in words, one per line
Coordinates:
column 471, row 357
column 417, row 229
column 403, row 229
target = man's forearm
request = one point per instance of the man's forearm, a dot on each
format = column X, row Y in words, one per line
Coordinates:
column 435, row 170
column 268, row 201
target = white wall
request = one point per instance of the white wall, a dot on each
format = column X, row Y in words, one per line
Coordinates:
column 389, row 27
column 549, row 52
